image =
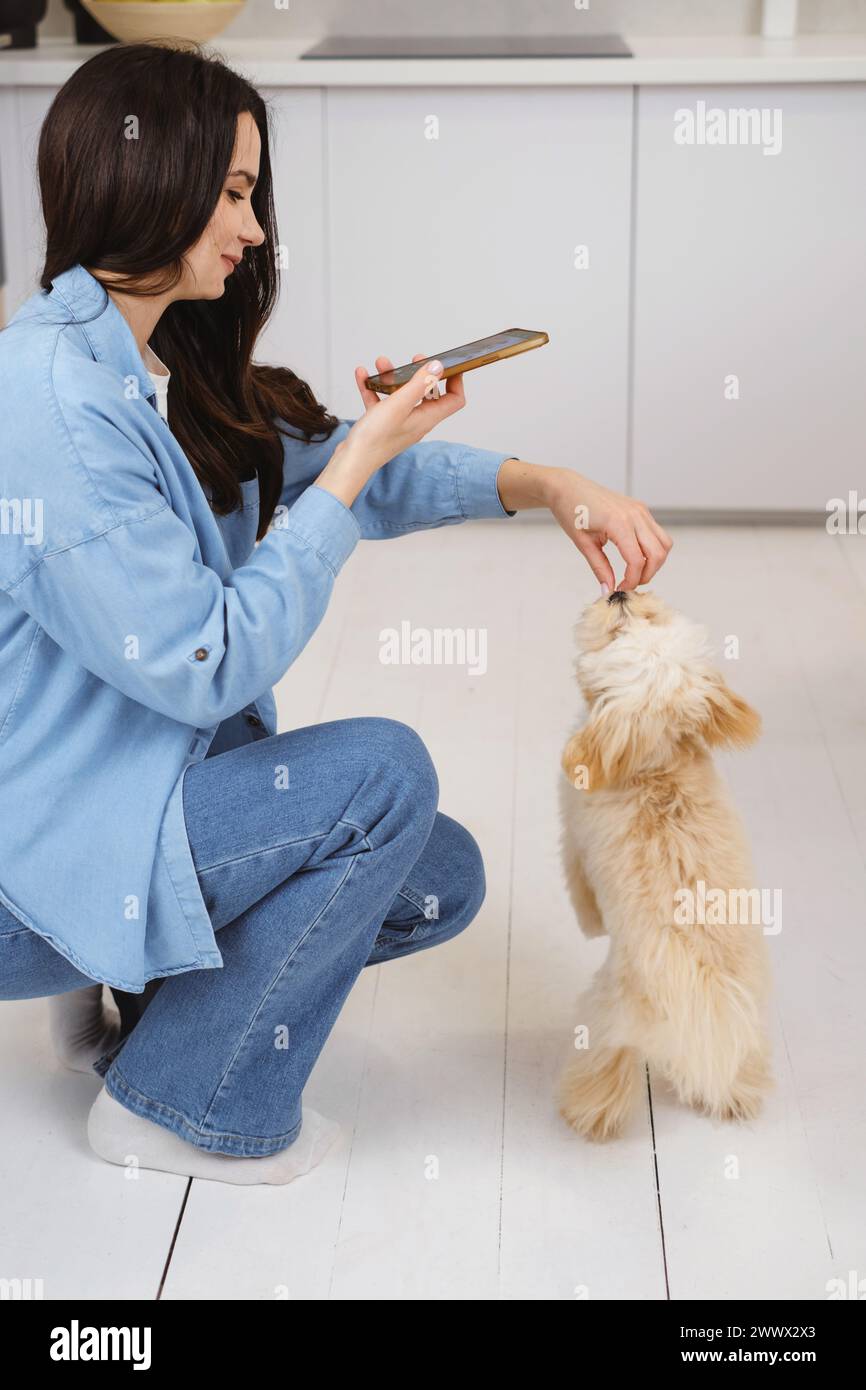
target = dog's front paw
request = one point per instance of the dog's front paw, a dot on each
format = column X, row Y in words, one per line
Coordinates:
column 596, row 1127
column 596, row 1094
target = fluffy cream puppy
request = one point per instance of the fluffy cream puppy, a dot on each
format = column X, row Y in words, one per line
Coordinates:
column 646, row 820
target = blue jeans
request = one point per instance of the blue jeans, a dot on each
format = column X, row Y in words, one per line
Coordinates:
column 349, row 864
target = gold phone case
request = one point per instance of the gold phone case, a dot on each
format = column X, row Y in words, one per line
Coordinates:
column 386, row 382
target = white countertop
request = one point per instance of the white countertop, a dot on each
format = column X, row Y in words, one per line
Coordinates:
column 667, row 61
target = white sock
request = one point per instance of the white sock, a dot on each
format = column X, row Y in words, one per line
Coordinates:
column 81, row 1028
column 120, row 1136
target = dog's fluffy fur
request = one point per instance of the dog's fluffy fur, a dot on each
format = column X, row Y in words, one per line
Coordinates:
column 654, row 817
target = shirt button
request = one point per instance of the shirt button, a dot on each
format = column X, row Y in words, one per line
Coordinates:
column 254, row 721
column 201, row 654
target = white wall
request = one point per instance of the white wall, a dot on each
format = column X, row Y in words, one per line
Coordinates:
column 320, row 17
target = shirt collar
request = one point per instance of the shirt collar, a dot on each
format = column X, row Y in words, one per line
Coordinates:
column 108, row 334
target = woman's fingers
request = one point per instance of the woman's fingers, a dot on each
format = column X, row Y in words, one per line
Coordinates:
column 656, row 527
column 368, row 396
column 642, row 543
column 622, row 533
column 665, row 540
column 383, row 364
column 454, row 390
column 412, row 394
column 596, row 558
column 653, row 550
column 434, row 408
column 454, row 398
column 419, row 381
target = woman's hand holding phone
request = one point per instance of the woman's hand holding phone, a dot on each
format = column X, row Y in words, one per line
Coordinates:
column 389, row 426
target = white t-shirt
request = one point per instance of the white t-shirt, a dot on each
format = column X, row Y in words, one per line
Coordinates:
column 160, row 379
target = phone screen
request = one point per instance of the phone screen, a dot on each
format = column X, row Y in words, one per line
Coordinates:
column 479, row 347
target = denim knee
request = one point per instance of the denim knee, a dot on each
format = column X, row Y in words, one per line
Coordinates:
column 447, row 891
column 466, row 883
column 399, row 744
column 472, row 876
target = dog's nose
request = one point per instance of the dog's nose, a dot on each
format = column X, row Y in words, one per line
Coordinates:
column 618, row 596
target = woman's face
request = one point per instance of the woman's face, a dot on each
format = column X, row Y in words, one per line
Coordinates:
column 233, row 226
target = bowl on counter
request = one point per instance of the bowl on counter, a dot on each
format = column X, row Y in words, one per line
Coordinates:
column 191, row 21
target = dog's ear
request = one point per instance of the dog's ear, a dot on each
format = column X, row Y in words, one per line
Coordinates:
column 612, row 746
column 728, row 720
column 580, row 761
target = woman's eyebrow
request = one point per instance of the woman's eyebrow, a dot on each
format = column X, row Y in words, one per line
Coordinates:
column 244, row 174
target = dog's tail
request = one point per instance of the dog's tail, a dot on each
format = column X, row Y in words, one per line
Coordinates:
column 598, row 1090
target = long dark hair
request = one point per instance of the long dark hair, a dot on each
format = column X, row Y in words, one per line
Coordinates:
column 132, row 207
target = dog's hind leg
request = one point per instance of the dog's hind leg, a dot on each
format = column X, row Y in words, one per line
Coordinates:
column 598, row 1090
column 723, row 1089
column 709, row 1035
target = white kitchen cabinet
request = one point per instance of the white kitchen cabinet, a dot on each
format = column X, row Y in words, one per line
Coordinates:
column 297, row 334
column 434, row 242
column 22, row 111
column 751, row 266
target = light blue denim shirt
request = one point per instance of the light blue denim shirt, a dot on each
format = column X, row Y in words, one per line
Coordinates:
column 138, row 630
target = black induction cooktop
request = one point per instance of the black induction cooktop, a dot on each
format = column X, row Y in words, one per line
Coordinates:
column 484, row 46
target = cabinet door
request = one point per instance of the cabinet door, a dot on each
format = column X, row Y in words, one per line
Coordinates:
column 297, row 333
column 22, row 111
column 454, row 213
column 751, row 266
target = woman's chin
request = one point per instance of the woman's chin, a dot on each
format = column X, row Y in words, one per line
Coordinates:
column 216, row 290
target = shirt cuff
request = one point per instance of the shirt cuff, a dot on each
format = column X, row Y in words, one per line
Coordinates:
column 476, row 482
column 324, row 523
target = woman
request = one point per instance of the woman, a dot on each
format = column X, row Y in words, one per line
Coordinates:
column 164, row 565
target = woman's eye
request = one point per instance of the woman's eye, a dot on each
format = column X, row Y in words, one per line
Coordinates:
column 235, row 196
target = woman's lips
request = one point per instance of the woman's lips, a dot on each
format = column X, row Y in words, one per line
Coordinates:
column 230, row 264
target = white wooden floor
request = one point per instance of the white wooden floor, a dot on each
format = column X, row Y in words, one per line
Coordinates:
column 453, row 1053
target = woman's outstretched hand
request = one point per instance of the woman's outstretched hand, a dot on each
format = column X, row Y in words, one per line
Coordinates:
column 592, row 515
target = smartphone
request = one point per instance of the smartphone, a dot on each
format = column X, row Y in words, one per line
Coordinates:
column 463, row 359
